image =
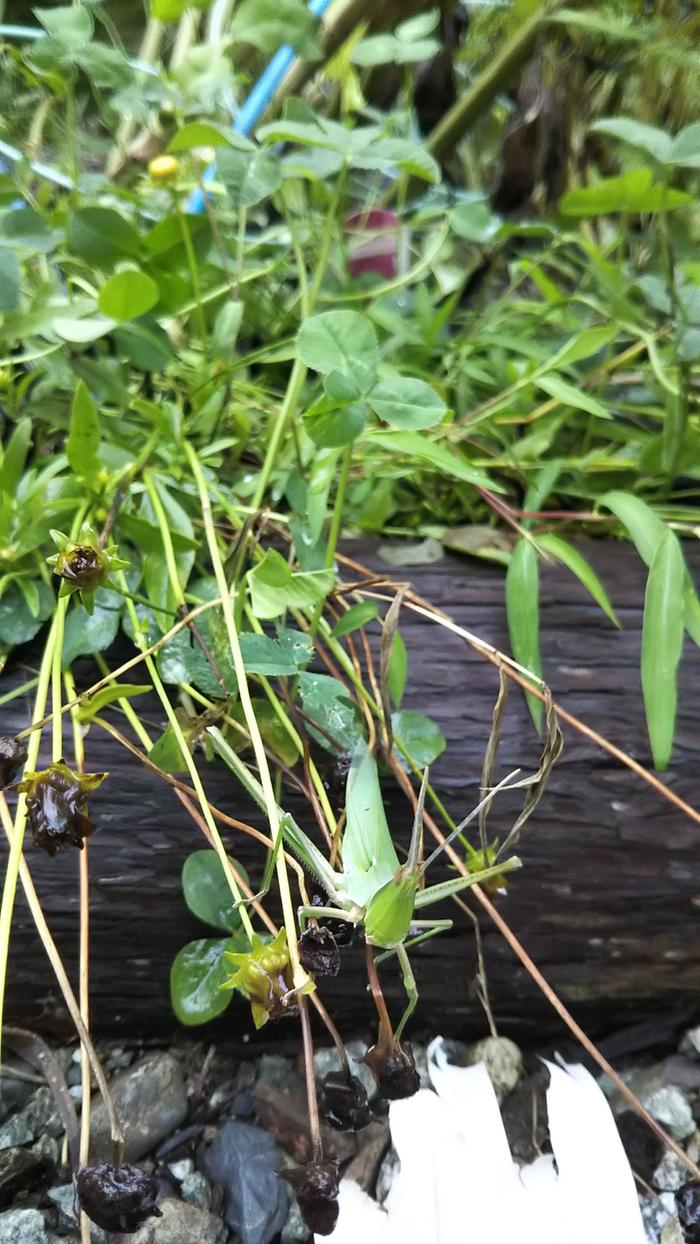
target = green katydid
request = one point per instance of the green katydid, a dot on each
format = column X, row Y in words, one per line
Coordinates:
column 374, row 888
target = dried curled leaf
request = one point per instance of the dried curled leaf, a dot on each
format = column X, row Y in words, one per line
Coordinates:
column 57, row 806
column 317, row 1186
column 12, row 756
column 393, row 1067
column 117, row 1200
column 318, row 951
column 346, row 1106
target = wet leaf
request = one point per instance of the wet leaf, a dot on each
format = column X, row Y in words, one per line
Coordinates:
column 523, row 610
column 662, row 645
column 196, row 978
column 207, row 891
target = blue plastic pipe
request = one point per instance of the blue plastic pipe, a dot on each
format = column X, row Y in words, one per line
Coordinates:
column 254, row 106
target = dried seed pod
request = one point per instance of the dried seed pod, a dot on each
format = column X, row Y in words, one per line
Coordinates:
column 343, row 930
column 81, row 566
column 335, row 780
column 12, row 756
column 393, row 1067
column 346, row 1106
column 117, row 1199
column 316, row 1186
column 318, row 951
column 57, row 806
column 688, row 1207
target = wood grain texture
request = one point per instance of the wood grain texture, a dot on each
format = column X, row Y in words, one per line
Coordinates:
column 608, row 900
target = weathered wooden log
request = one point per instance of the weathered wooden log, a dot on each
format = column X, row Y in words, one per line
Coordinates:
column 607, row 902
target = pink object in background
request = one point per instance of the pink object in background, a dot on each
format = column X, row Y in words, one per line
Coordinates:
column 377, row 244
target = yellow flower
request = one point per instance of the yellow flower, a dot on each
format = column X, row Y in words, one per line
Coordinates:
column 264, row 975
column 163, row 168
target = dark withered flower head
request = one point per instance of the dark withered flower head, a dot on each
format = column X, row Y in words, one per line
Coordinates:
column 12, row 756
column 57, row 806
column 392, row 1065
column 335, row 780
column 688, row 1207
column 264, row 975
column 117, row 1199
column 346, row 1106
column 318, row 951
column 343, row 930
column 316, row 1186
column 83, row 565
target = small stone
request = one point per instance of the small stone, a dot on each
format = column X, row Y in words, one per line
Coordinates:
column 42, row 1115
column 654, row 1216
column 184, row 1167
column 20, row 1170
column 502, row 1060
column 388, row 1171
column 16, row 1131
column 151, row 1102
column 180, row 1224
column 690, row 1043
column 14, row 1094
column 670, row 1174
column 23, row 1226
column 295, row 1230
column 196, row 1190
column 364, row 1167
column 524, row 1114
column 671, row 1108
column 244, row 1160
column 672, row 1232
column 244, row 1105
column 643, row 1148
column 682, row 1072
column 284, row 1114
column 63, row 1198
column 276, row 1071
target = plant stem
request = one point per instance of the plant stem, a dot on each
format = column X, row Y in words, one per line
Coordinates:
column 56, row 714
column 377, row 995
column 173, row 573
column 192, row 768
column 295, row 384
column 194, row 274
column 310, row 1077
column 338, row 507
column 301, row 979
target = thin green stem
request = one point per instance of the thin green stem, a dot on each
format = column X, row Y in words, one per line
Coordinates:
column 301, row 979
column 194, row 274
column 338, row 507
column 295, row 384
column 171, row 563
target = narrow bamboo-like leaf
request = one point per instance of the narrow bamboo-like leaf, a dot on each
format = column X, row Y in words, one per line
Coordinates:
column 569, row 395
column 107, row 695
column 84, row 437
column 357, row 615
column 643, row 525
column 397, row 672
column 15, row 456
column 523, row 610
column 577, row 564
column 691, row 615
column 662, row 644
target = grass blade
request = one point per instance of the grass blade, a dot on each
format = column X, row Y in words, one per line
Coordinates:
column 662, row 643
column 523, row 610
column 577, row 564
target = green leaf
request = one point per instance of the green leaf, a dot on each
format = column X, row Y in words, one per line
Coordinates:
column 15, row 456
column 569, row 395
column 407, row 403
column 168, row 10
column 101, row 235
column 25, row 230
column 128, row 295
column 398, row 669
column 167, row 751
column 18, row 624
column 9, row 280
column 249, row 176
column 265, row 656
column 197, row 975
column 582, row 345
column 83, row 441
column 70, row 25
column 340, row 341
column 523, row 610
column 268, row 24
column 474, row 221
column 204, row 134
column 643, row 525
column 632, row 192
column 657, row 143
column 423, row 450
column 207, row 891
column 357, row 616
column 331, row 425
column 577, row 564
column 685, row 148
column 420, row 735
column 327, row 703
column 274, row 588
column 87, row 633
column 662, row 644
column 108, row 695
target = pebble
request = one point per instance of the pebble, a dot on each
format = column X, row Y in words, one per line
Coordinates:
column 643, row 1148
column 684, row 1072
column 196, row 1190
column 23, row 1169
column 502, row 1060
column 670, row 1174
column 63, row 1198
column 672, row 1232
column 373, row 1142
column 690, row 1043
column 244, row 1160
column 14, row 1094
column 180, row 1224
column 386, row 1176
column 295, row 1230
column 672, row 1109
column 284, row 1114
column 654, row 1217
column 16, row 1131
column 151, row 1103
column 23, row 1226
column 276, row 1071
column 184, row 1167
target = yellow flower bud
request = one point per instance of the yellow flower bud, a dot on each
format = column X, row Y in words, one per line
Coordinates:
column 163, row 168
